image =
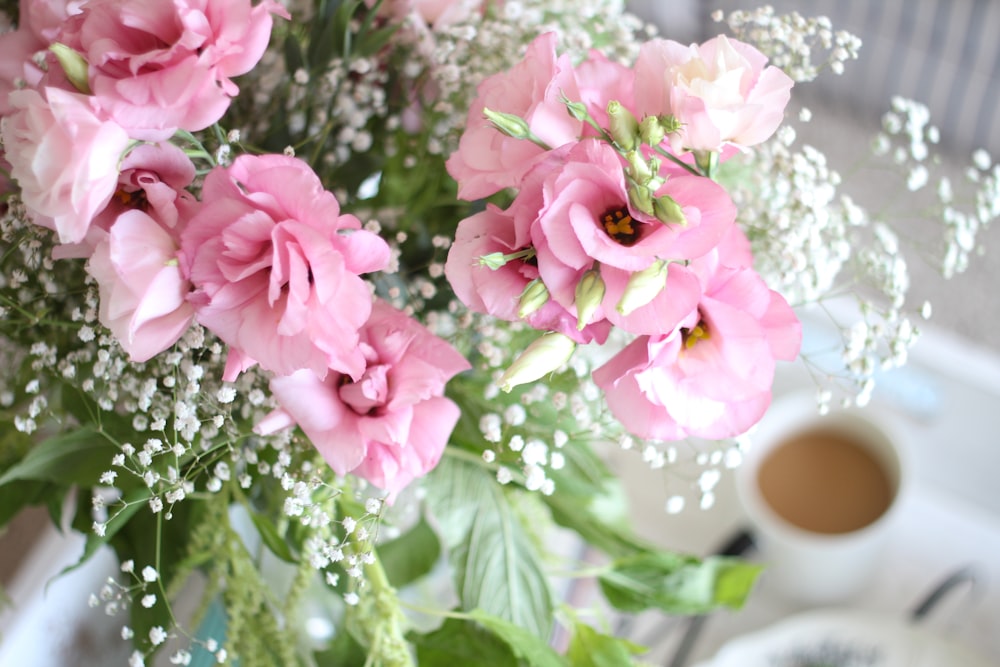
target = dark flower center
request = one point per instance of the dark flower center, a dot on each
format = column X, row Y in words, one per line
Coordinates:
column 620, row 226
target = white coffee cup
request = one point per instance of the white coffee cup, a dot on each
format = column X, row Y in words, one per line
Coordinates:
column 820, row 492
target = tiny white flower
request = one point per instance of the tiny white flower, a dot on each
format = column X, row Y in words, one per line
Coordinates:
column 149, row 574
column 148, row 600
column 157, row 635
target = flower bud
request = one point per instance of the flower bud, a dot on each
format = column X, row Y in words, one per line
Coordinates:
column 669, row 123
column 74, row 65
column 589, row 295
column 638, row 169
column 623, row 126
column 643, row 286
column 641, row 198
column 534, row 296
column 667, row 210
column 577, row 110
column 545, row 355
column 494, row 260
column 508, row 123
column 651, row 132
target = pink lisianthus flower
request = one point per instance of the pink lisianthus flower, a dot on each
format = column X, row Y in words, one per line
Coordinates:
column 17, row 65
column 585, row 221
column 600, row 81
column 487, row 160
column 497, row 291
column 65, row 157
column 143, row 290
column 153, row 176
column 710, row 377
column 276, row 268
column 159, row 66
column 39, row 22
column 153, row 179
column 389, row 425
column 722, row 92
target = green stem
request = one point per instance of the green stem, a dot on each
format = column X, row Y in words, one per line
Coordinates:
column 676, row 160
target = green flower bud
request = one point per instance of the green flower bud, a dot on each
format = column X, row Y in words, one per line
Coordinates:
column 577, row 110
column 669, row 123
column 638, row 169
column 667, row 210
column 641, row 198
column 643, row 286
column 508, row 123
column 494, row 260
column 589, row 295
column 651, row 132
column 624, row 127
column 545, row 355
column 534, row 296
column 74, row 65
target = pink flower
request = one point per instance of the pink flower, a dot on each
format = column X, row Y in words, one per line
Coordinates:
column 143, row 290
column 64, row 156
column 159, row 66
column 710, row 377
column 153, row 179
column 276, row 268
column 16, row 65
column 390, row 425
column 488, row 161
column 44, row 18
column 721, row 92
column 39, row 22
column 600, row 81
column 498, row 291
column 585, row 221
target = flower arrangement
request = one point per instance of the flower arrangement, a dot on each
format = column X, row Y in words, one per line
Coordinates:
column 309, row 303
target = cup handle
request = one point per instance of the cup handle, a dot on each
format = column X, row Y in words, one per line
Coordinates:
column 965, row 575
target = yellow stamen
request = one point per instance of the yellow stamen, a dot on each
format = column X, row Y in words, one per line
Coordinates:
column 619, row 226
column 692, row 336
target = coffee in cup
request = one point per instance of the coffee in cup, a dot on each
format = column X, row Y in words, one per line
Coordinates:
column 819, row 491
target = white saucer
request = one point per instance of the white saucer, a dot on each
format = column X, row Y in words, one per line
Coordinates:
column 844, row 638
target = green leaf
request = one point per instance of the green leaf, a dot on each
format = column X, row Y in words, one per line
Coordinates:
column 677, row 584
column 495, row 564
column 590, row 501
column 269, row 534
column 589, row 648
column 75, row 457
column 133, row 502
column 459, row 642
column 524, row 644
column 411, row 555
column 19, row 494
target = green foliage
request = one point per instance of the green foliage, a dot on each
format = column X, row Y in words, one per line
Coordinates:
column 677, row 584
column 410, row 556
column 590, row 648
column 496, row 568
column 462, row 642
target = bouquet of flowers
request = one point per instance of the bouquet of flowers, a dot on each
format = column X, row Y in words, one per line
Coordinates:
column 329, row 309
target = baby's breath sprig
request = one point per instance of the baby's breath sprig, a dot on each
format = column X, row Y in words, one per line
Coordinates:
column 802, row 47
